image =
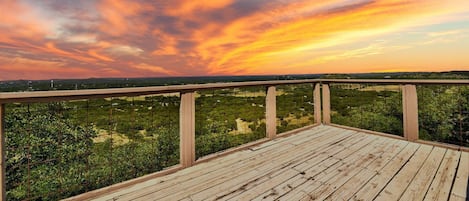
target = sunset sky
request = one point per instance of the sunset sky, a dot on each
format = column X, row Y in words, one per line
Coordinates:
column 113, row 38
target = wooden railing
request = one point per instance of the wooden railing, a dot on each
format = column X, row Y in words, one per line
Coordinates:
column 186, row 114
column 409, row 102
column 187, row 110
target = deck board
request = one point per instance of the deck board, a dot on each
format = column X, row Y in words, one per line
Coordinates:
column 356, row 182
column 460, row 187
column 280, row 177
column 444, row 178
column 342, row 175
column 322, row 163
column 239, row 171
column 400, row 182
column 421, row 182
column 311, row 189
column 374, row 186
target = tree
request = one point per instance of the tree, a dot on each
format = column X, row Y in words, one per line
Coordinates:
column 444, row 114
column 46, row 153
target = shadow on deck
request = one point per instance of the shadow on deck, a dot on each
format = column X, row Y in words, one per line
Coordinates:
column 322, row 163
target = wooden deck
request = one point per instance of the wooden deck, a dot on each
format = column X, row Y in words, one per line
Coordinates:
column 323, row 163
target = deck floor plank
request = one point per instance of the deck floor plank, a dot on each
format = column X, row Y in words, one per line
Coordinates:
column 460, row 187
column 357, row 157
column 444, row 178
column 219, row 163
column 257, row 183
column 323, row 159
column 218, row 170
column 374, row 186
column 419, row 186
column 280, row 178
column 247, row 169
column 321, row 163
column 348, row 189
column 342, row 175
column 404, row 177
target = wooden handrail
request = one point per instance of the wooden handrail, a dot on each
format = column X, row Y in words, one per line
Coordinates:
column 397, row 81
column 48, row 96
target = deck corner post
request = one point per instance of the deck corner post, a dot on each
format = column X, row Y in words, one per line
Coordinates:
column 317, row 103
column 3, row 195
column 326, row 104
column 187, row 128
column 271, row 112
column 410, row 112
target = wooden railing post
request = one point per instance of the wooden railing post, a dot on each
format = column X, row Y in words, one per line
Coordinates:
column 410, row 112
column 187, row 129
column 3, row 195
column 271, row 112
column 326, row 104
column 317, row 103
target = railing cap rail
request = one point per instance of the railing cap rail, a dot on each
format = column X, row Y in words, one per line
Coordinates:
column 398, row 81
column 45, row 96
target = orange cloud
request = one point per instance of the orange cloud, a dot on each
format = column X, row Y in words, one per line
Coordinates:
column 99, row 56
column 302, row 35
column 118, row 17
column 155, row 69
column 22, row 68
column 18, row 20
column 191, row 7
column 115, row 38
column 51, row 48
column 166, row 44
